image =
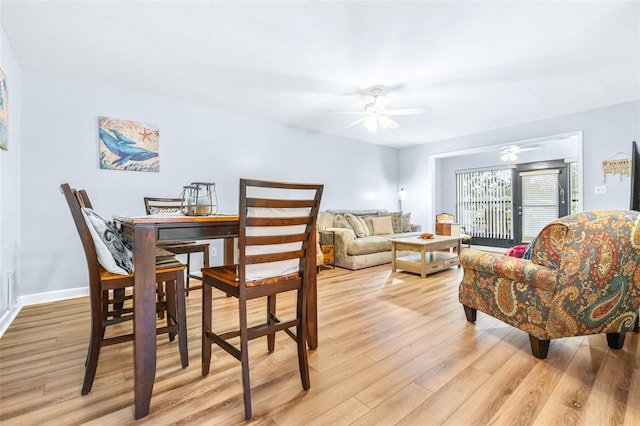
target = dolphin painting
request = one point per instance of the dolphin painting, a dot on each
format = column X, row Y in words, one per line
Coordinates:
column 124, row 148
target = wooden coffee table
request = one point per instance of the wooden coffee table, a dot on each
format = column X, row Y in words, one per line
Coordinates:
column 427, row 259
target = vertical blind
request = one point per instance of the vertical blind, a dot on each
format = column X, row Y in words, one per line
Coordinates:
column 539, row 201
column 484, row 202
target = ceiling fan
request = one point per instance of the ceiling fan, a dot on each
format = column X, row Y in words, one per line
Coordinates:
column 509, row 153
column 376, row 115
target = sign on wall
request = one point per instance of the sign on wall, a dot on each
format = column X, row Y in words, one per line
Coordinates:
column 128, row 145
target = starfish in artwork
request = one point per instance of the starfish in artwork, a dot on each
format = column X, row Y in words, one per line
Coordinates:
column 145, row 134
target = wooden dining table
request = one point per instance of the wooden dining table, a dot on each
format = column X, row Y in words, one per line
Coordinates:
column 145, row 232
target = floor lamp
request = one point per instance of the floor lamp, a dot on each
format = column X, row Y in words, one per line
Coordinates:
column 402, row 196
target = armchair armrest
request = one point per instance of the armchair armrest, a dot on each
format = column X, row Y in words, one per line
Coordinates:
column 510, row 268
column 416, row 228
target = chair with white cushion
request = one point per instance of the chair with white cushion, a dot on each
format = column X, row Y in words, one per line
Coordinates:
column 276, row 247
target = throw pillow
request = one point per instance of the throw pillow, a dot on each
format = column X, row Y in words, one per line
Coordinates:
column 382, row 225
column 110, row 248
column 367, row 222
column 365, row 229
column 406, row 222
column 358, row 227
column 339, row 221
column 168, row 212
column 516, row 251
column 527, row 252
column 396, row 221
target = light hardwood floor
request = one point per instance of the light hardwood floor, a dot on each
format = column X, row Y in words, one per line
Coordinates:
column 394, row 349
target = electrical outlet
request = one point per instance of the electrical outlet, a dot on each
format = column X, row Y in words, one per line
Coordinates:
column 213, row 251
column 600, row 189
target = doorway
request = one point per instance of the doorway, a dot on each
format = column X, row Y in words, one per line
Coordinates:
column 541, row 195
column 506, row 206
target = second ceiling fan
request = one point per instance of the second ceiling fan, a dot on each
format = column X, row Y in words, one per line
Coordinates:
column 376, row 115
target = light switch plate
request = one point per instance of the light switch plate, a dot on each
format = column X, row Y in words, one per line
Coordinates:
column 600, row 189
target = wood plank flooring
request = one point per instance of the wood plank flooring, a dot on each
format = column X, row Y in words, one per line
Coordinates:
column 393, row 349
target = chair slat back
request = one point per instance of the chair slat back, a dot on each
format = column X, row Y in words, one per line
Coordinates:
column 163, row 205
column 277, row 226
column 76, row 199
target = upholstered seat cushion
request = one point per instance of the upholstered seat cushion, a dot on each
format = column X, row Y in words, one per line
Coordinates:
column 368, row 245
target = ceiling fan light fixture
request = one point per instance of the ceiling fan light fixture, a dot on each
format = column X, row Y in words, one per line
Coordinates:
column 371, row 123
column 509, row 157
column 384, row 121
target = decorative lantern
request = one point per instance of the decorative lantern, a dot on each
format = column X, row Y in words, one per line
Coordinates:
column 199, row 199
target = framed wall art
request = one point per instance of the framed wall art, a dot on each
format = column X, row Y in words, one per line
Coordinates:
column 128, row 145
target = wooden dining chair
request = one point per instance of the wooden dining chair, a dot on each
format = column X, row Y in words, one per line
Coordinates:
column 158, row 205
column 276, row 247
column 110, row 303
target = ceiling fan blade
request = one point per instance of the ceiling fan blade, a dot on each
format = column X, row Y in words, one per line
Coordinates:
column 408, row 111
column 349, row 112
column 528, row 148
column 514, row 149
column 353, row 123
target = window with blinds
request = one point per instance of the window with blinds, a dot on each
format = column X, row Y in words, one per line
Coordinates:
column 539, row 201
column 484, row 202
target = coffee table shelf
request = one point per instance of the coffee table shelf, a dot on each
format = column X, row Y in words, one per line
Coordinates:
column 426, row 259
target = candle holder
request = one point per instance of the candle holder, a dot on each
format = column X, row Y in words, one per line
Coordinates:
column 199, row 199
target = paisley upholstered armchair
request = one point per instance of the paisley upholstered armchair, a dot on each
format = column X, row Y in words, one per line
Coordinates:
column 583, row 278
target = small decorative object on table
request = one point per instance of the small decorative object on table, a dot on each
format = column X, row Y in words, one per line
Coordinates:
column 199, row 199
column 426, row 236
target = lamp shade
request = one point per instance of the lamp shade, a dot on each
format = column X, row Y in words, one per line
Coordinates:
column 402, row 194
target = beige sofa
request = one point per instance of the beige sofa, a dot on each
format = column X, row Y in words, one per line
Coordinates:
column 356, row 252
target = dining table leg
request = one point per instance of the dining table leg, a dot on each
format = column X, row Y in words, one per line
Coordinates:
column 229, row 251
column 144, row 322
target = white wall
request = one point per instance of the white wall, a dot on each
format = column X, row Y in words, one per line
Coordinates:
column 54, row 132
column 60, row 128
column 605, row 132
column 10, row 221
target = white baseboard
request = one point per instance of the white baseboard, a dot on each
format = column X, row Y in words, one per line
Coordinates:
column 8, row 318
column 37, row 298
column 53, row 296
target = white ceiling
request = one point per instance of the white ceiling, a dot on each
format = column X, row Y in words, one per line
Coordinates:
column 476, row 65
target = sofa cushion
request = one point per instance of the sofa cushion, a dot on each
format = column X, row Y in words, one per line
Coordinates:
column 406, row 222
column 364, row 225
column 368, row 223
column 339, row 221
column 368, row 245
column 357, row 224
column 382, row 225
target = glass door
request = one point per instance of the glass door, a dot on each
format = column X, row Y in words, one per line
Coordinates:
column 541, row 197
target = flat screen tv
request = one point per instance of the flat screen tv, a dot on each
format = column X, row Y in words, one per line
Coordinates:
column 635, row 177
